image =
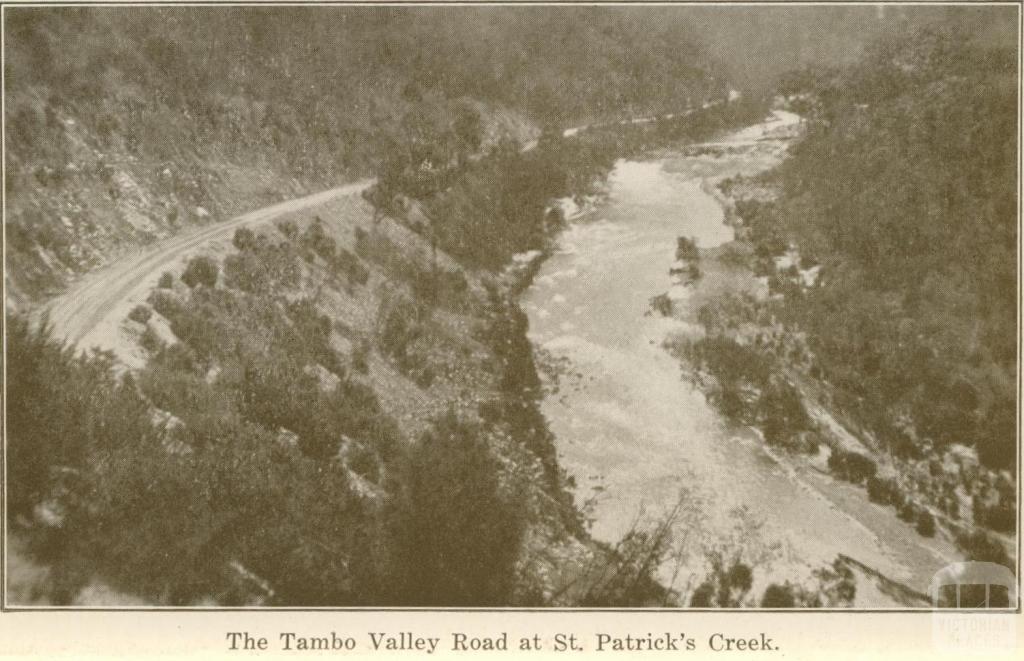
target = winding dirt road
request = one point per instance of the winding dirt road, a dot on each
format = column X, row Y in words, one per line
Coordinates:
column 90, row 310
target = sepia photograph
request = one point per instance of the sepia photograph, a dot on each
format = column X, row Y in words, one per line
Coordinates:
column 559, row 307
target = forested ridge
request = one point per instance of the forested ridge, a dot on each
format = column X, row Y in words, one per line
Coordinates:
column 905, row 191
column 128, row 124
column 888, row 242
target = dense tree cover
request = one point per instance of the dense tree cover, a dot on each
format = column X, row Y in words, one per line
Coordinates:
column 330, row 86
column 162, row 523
column 223, row 508
column 747, row 388
column 754, row 45
column 485, row 211
column 455, row 530
column 181, row 115
column 201, row 271
column 289, row 468
column 905, row 190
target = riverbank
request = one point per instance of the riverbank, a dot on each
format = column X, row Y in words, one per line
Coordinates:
column 638, row 440
column 739, row 308
column 787, row 413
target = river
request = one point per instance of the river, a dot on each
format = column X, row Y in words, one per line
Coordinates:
column 638, row 438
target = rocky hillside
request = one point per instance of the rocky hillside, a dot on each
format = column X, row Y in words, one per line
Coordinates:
column 126, row 126
column 332, row 339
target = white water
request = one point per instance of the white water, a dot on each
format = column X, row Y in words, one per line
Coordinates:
column 634, row 433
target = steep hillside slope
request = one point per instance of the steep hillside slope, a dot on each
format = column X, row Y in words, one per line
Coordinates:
column 331, row 340
column 127, row 125
column 869, row 303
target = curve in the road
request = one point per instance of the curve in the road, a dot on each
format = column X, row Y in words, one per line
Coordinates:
column 86, row 305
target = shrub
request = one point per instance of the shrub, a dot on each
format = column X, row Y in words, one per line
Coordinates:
column 200, row 271
column 860, row 467
column 732, row 362
column 246, row 272
column 165, row 304
column 851, row 466
column 425, row 377
column 437, row 287
column 177, row 357
column 731, row 403
column 348, row 264
column 361, row 241
column 185, row 394
column 289, row 229
column 925, row 523
column 1002, row 516
column 884, row 491
column 262, row 268
column 783, row 413
column 733, row 254
column 166, row 280
column 312, row 335
column 317, row 239
column 626, row 575
column 686, row 249
column 661, row 304
column 140, row 313
column 838, row 586
column 778, row 596
column 399, row 328
column 64, row 412
column 726, row 587
column 360, row 356
column 150, row 341
column 244, row 239
column 980, row 546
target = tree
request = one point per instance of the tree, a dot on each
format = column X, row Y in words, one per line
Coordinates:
column 166, row 280
column 244, row 239
column 140, row 313
column 983, row 547
column 783, row 412
column 201, row 271
column 454, row 528
column 925, row 523
column 778, row 596
column 726, row 587
column 468, row 129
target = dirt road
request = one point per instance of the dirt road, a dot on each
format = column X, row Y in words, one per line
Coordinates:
column 89, row 312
